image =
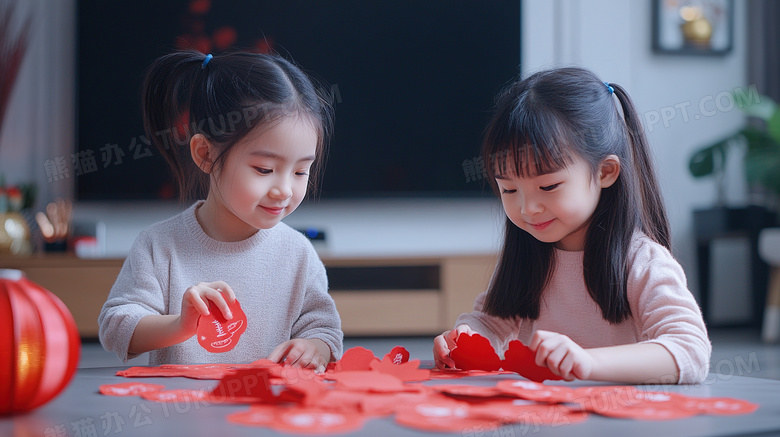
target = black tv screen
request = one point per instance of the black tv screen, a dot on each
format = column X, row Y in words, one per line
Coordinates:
column 412, row 81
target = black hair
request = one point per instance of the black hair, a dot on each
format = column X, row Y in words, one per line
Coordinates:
column 540, row 124
column 225, row 99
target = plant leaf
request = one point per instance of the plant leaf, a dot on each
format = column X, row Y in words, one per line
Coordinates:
column 764, row 107
column 773, row 126
column 710, row 159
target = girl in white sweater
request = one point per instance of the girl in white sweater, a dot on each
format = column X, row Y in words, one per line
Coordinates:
column 256, row 128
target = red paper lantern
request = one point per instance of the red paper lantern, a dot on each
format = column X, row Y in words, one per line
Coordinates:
column 39, row 344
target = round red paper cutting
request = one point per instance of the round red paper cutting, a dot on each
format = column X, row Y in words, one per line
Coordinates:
column 720, row 406
column 536, row 391
column 129, row 388
column 442, row 417
column 313, row 421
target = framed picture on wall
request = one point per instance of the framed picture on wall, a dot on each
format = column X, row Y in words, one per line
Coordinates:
column 693, row 27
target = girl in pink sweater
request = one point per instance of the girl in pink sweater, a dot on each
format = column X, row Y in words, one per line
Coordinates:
column 585, row 277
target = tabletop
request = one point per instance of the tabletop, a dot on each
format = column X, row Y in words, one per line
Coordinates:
column 81, row 411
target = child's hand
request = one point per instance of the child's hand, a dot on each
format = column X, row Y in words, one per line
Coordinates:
column 562, row 355
column 310, row 353
column 444, row 343
column 194, row 303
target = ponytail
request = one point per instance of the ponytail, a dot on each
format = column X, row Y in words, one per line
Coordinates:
column 165, row 100
column 653, row 218
column 224, row 98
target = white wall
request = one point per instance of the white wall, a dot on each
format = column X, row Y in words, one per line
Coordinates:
column 611, row 37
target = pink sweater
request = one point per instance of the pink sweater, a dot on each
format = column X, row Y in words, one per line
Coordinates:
column 663, row 311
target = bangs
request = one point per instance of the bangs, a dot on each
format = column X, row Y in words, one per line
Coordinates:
column 526, row 146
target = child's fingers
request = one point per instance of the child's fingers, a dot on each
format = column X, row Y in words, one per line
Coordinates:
column 555, row 358
column 566, row 367
column 441, row 352
column 194, row 299
column 220, row 302
column 280, row 352
column 225, row 289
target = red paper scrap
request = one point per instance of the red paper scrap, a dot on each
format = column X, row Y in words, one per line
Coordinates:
column 368, row 381
column 442, row 416
column 384, row 404
column 244, row 386
column 194, row 371
column 509, row 411
column 398, row 355
column 468, row 390
column 474, row 352
column 521, row 359
column 649, row 406
column 535, row 391
column 356, row 358
column 129, row 388
column 405, row 371
column 178, row 395
column 216, row 333
column 315, row 421
column 720, row 406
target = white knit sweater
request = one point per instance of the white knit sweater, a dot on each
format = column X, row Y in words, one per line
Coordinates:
column 276, row 276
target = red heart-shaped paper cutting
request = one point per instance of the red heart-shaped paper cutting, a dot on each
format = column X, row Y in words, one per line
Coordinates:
column 519, row 358
column 474, row 352
column 217, row 334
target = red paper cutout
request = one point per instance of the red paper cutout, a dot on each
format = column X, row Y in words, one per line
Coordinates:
column 304, row 392
column 522, row 411
column 356, row 358
column 194, row 371
column 601, row 397
column 536, row 391
column 368, row 381
column 384, row 404
column 521, row 359
column 244, row 386
column 316, row 407
column 398, row 355
column 405, row 371
column 344, row 401
column 179, row 395
column 217, row 334
column 315, row 421
column 468, row 390
column 443, row 416
column 649, row 406
column 720, row 406
column 129, row 388
column 474, row 352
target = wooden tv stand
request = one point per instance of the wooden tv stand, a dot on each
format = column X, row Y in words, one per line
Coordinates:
column 375, row 296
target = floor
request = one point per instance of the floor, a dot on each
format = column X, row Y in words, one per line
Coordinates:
column 735, row 352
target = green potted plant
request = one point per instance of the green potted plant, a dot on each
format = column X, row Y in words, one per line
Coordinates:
column 761, row 140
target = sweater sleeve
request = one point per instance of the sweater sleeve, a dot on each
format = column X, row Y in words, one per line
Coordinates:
column 666, row 312
column 136, row 293
column 319, row 317
column 499, row 331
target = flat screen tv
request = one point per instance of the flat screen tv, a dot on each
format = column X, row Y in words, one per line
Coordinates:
column 412, row 82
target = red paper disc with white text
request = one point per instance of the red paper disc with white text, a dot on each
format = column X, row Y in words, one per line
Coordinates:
column 216, row 333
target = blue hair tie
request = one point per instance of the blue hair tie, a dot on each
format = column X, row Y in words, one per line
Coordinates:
column 206, row 61
column 609, row 87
